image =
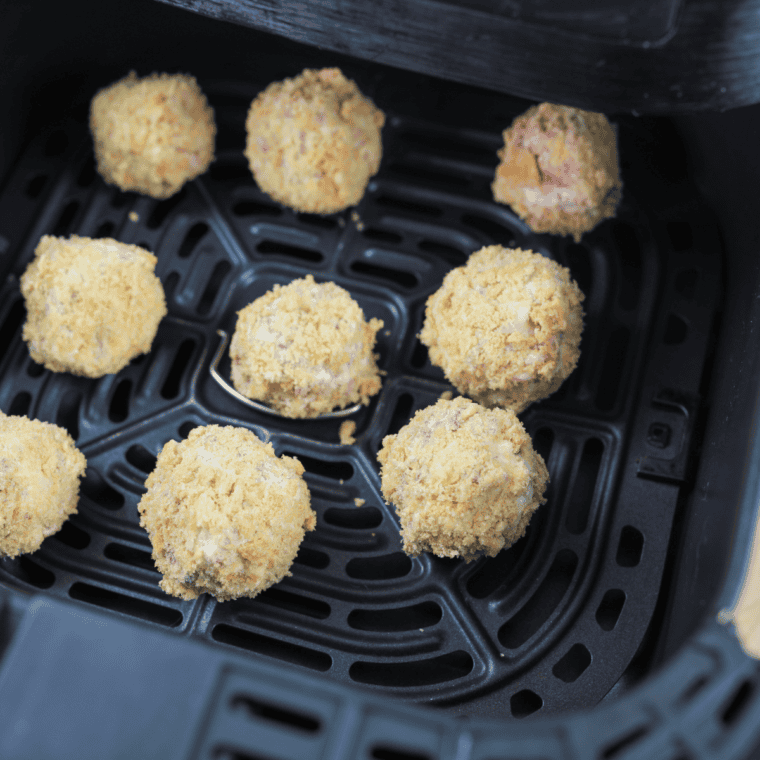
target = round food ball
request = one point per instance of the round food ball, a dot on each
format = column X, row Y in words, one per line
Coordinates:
column 464, row 479
column 225, row 515
column 305, row 349
column 559, row 169
column 506, row 327
column 314, row 141
column 92, row 305
column 153, row 134
column 39, row 482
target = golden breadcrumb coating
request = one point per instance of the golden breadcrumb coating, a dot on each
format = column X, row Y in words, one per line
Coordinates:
column 225, row 515
column 464, row 479
column 92, row 305
column 506, row 327
column 153, row 134
column 559, row 169
column 305, row 349
column 40, row 469
column 314, row 141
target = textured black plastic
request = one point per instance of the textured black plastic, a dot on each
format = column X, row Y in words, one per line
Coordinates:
column 549, row 624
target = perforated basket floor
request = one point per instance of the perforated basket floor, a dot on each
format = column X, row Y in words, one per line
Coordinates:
column 549, row 624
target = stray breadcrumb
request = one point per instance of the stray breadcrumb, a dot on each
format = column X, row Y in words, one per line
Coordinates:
column 305, row 349
column 346, row 432
column 464, row 479
column 506, row 327
column 356, row 219
column 40, row 468
column 313, row 141
column 224, row 514
column 92, row 305
column 559, row 169
column 359, row 502
column 153, row 134
column 134, row 216
column 447, row 395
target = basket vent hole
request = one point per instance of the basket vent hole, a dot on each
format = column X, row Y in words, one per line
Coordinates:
column 186, row 427
column 692, row 690
column 138, row 456
column 128, row 555
column 20, row 404
column 383, row 752
column 579, row 262
column 382, row 236
column 680, row 234
column 171, row 386
column 630, row 264
column 35, row 186
column 95, row 488
column 87, row 174
column 312, row 558
column 382, row 568
column 441, row 144
column 685, row 283
column 315, row 220
column 609, row 609
column 119, row 199
column 302, row 605
column 542, row 442
column 429, row 176
column 192, row 237
column 28, row 571
column 224, row 171
column 254, row 208
column 525, row 703
column 582, row 492
column 616, row 748
column 63, row 225
column 292, row 251
column 128, row 605
column 333, row 470
column 277, row 648
column 401, row 204
column 396, row 276
column 386, row 620
column 105, row 230
column 446, row 667
column 68, row 413
column 737, row 703
column 573, row 664
column 448, row 253
column 401, row 413
column 255, row 708
column 419, row 355
column 33, row 369
column 494, row 571
column 118, row 409
column 630, row 547
column 544, row 601
column 162, row 209
column 497, row 232
column 72, row 536
column 676, row 330
column 170, row 285
column 214, row 285
column 11, row 323
column 353, row 518
column 56, row 143
column 613, row 368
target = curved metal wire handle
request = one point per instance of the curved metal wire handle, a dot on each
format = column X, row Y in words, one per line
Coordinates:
column 259, row 407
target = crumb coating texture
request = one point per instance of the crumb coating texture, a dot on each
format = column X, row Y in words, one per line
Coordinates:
column 40, row 468
column 464, row 479
column 313, row 141
column 506, row 327
column 305, row 349
column 224, row 514
column 92, row 305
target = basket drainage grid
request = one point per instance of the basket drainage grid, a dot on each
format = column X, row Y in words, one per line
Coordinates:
column 550, row 623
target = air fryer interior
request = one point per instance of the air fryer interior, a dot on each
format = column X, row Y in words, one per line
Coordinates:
column 604, row 586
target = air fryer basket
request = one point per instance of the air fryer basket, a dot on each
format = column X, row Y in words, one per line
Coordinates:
column 577, row 610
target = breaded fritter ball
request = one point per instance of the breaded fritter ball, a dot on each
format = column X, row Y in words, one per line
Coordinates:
column 464, row 479
column 305, row 349
column 153, row 134
column 559, row 169
column 506, row 327
column 224, row 514
column 314, row 141
column 39, row 482
column 92, row 305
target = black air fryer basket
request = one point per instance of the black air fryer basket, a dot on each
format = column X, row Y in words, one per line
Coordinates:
column 602, row 633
